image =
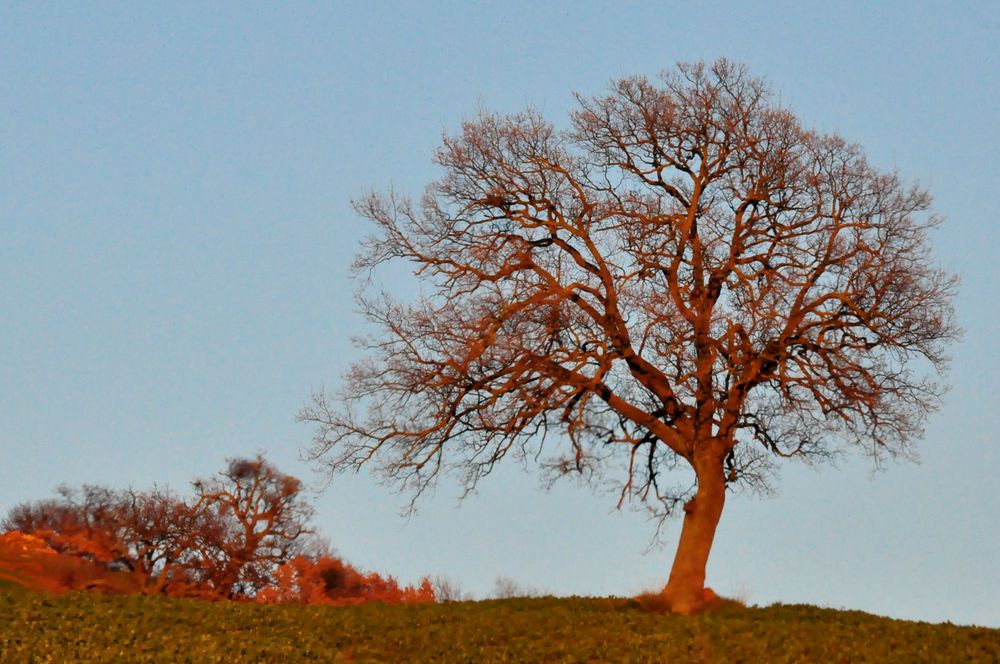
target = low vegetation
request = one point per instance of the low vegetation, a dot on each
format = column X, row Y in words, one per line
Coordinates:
column 244, row 536
column 87, row 627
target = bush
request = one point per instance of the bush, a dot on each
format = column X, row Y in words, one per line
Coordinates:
column 331, row 581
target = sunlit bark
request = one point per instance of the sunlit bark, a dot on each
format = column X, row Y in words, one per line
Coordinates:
column 685, row 274
column 684, row 590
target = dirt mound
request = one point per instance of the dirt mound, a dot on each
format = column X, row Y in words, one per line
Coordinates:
column 29, row 562
column 26, row 546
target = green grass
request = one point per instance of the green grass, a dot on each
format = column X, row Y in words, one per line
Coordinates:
column 91, row 628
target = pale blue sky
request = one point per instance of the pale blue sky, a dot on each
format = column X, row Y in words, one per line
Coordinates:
column 175, row 232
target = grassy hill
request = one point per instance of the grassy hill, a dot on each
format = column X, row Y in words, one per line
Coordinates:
column 85, row 627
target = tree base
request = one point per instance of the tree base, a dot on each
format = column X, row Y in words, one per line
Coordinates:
column 685, row 605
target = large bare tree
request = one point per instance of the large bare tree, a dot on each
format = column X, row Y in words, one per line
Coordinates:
column 686, row 276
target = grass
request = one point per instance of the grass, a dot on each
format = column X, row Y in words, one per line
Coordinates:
column 85, row 627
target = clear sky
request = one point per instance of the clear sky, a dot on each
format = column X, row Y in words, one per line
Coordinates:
column 175, row 233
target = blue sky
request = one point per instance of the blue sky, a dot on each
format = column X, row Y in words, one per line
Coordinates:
column 175, row 233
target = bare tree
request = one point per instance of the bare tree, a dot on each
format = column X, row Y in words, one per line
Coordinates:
column 157, row 530
column 505, row 587
column 446, row 589
column 145, row 533
column 684, row 277
column 251, row 518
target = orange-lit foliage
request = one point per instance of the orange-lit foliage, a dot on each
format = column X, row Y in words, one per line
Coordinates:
column 241, row 537
column 243, row 524
column 82, row 522
column 331, row 581
column 146, row 536
column 28, row 561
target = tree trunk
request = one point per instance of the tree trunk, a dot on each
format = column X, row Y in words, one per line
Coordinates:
column 685, row 591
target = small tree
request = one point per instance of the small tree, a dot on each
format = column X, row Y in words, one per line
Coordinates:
column 504, row 587
column 157, row 529
column 251, row 518
column 447, row 589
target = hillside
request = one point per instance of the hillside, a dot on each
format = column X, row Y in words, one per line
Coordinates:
column 87, row 627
